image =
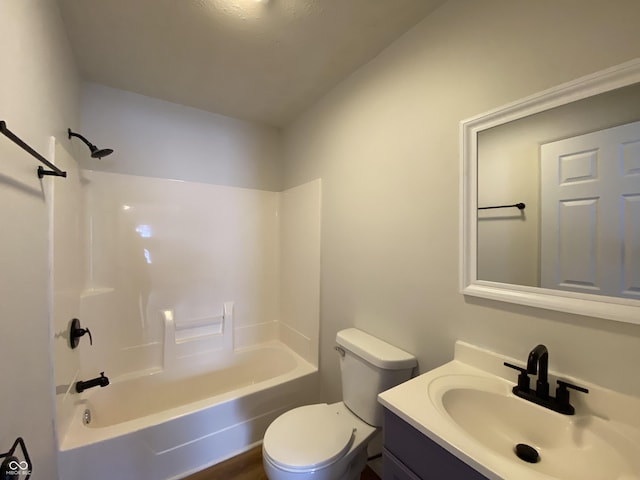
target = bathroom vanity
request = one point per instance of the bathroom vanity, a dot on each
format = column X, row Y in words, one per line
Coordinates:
column 466, row 420
column 411, row 455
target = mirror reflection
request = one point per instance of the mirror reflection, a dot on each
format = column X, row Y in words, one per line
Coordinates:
column 576, row 168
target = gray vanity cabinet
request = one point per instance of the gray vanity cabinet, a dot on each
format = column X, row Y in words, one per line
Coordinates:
column 411, row 455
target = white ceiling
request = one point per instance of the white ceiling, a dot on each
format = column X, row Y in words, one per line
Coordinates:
column 258, row 60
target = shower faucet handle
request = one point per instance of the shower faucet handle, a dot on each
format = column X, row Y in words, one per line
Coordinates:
column 76, row 331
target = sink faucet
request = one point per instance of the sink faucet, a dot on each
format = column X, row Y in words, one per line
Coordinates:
column 538, row 363
column 102, row 381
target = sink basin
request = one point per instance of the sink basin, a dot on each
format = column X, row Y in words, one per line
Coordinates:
column 579, row 447
column 467, row 407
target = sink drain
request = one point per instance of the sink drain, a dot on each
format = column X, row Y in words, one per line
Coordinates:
column 527, row 453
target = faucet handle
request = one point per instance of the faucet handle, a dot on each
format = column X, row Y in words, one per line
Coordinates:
column 86, row 330
column 523, row 377
column 562, row 396
column 76, row 331
column 515, row 367
column 562, row 385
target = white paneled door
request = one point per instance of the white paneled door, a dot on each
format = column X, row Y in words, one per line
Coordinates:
column 590, row 217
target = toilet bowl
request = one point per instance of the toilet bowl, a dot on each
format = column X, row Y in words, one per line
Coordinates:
column 329, row 442
column 319, row 442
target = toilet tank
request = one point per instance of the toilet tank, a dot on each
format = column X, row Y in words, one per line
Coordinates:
column 370, row 366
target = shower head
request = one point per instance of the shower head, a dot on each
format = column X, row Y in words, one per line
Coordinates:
column 99, row 153
column 95, row 151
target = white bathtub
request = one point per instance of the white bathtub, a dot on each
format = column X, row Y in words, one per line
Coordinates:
column 170, row 424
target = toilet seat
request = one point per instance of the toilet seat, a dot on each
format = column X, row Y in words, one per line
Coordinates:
column 308, row 438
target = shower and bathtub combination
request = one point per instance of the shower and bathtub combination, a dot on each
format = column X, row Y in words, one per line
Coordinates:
column 202, row 305
column 172, row 423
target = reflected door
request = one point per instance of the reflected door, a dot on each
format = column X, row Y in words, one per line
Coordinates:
column 590, row 213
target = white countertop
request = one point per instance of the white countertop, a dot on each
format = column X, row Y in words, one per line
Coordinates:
column 412, row 401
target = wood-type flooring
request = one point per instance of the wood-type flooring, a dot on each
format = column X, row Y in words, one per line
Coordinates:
column 248, row 466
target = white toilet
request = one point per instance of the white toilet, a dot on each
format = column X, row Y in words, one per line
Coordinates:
column 329, row 442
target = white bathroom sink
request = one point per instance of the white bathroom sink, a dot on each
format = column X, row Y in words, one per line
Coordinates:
column 569, row 447
column 472, row 413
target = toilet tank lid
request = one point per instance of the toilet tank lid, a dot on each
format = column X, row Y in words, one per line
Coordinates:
column 375, row 351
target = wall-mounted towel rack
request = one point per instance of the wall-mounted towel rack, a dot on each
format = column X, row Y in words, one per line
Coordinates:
column 519, row 206
column 55, row 171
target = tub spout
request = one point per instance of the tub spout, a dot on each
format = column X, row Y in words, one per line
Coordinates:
column 101, row 381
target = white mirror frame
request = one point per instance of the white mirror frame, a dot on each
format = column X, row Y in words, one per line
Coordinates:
column 620, row 309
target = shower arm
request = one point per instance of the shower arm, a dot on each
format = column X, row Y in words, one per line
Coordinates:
column 87, row 142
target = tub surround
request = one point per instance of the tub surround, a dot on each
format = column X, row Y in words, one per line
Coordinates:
column 187, row 289
column 66, row 247
column 165, row 255
column 149, row 277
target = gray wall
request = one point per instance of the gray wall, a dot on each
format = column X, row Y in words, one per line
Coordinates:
column 156, row 138
column 39, row 98
column 386, row 144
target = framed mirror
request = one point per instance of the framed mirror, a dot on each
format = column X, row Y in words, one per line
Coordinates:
column 550, row 198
